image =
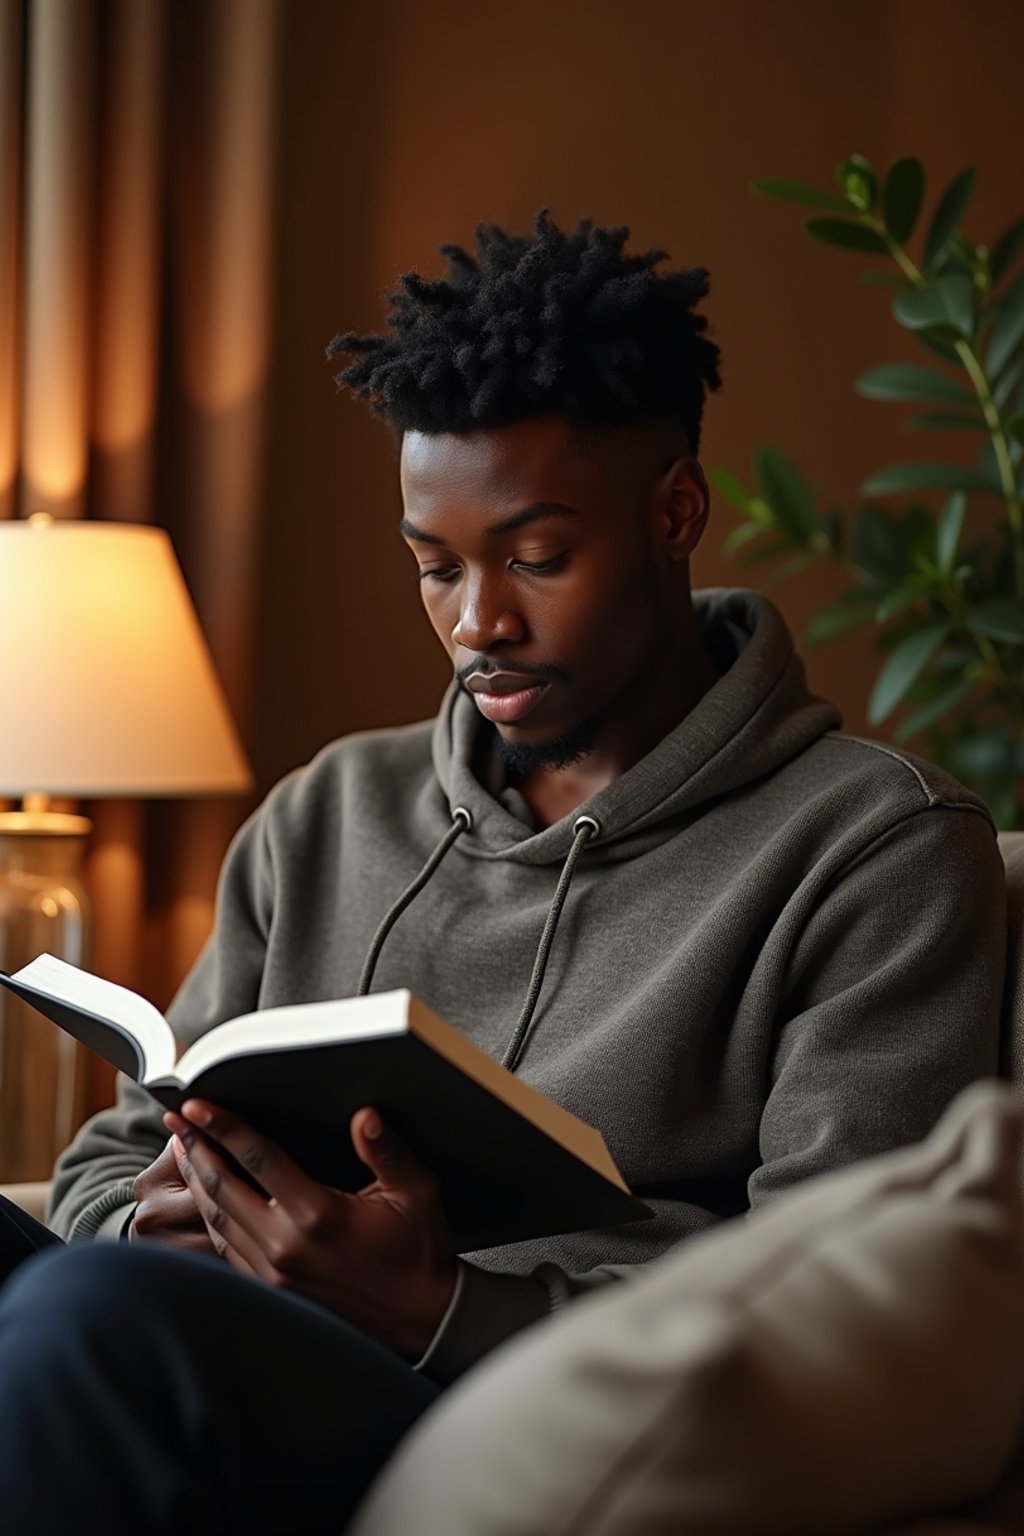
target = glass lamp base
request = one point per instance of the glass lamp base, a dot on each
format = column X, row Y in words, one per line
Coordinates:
column 43, row 907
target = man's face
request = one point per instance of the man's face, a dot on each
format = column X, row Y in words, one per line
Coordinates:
column 543, row 570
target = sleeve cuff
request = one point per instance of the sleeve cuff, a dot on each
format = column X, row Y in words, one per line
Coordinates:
column 116, row 1223
column 108, row 1217
column 485, row 1310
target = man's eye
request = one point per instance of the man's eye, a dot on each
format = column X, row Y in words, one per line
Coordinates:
column 438, row 573
column 542, row 567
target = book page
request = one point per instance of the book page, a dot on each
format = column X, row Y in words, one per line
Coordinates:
column 291, row 1026
column 80, row 989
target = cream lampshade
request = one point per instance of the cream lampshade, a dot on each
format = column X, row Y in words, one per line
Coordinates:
column 106, row 684
column 106, row 688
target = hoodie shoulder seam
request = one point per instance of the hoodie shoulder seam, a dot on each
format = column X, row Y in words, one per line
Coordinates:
column 897, row 757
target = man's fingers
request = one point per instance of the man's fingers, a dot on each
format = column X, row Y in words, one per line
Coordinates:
column 272, row 1169
column 232, row 1212
column 388, row 1158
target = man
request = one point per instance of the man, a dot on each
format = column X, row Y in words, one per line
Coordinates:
column 632, row 858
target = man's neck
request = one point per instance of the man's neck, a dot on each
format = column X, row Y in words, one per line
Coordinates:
column 655, row 711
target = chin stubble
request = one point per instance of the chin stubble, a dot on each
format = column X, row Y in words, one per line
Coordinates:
column 558, row 752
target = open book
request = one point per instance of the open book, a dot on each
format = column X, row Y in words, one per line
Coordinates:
column 511, row 1163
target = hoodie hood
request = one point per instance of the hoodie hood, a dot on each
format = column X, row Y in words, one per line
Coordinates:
column 758, row 715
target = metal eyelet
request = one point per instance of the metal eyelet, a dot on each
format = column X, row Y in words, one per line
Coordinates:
column 586, row 821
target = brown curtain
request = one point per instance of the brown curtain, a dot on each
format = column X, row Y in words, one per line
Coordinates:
column 136, row 192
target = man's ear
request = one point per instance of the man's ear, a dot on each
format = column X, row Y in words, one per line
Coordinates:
column 682, row 505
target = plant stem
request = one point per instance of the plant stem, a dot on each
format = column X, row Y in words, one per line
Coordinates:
column 1007, row 478
column 953, row 602
column 976, row 374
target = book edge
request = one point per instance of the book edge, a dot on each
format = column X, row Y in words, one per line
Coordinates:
column 575, row 1135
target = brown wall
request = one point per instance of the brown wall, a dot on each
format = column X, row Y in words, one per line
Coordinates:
column 401, row 125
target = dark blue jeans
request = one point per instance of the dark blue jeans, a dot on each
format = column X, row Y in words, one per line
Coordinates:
column 147, row 1390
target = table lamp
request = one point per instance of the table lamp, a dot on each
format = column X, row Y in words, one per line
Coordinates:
column 106, row 688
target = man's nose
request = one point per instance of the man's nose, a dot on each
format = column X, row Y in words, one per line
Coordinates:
column 486, row 618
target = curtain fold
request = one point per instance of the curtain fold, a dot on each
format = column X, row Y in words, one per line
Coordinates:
column 58, row 221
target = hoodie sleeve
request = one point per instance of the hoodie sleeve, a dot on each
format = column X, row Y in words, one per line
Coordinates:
column 893, row 1006
column 894, row 999
column 93, row 1189
column 488, row 1307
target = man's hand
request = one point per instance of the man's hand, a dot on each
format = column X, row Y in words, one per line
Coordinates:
column 165, row 1210
column 382, row 1258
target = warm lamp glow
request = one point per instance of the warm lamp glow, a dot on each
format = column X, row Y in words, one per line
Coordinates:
column 106, row 684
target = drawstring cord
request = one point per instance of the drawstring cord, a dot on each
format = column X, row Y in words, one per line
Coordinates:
column 461, row 822
column 584, row 828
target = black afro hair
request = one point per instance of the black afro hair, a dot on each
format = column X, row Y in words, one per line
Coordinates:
column 550, row 324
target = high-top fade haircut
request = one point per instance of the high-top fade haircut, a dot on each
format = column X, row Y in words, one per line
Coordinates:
column 547, row 324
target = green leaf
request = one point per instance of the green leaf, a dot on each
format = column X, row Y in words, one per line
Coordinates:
column 1015, row 426
column 948, row 214
column 928, row 477
column 786, row 493
column 942, row 346
column 1007, row 382
column 1006, row 249
column 903, row 597
column 946, row 304
column 911, row 381
column 731, row 488
column 986, row 757
column 742, row 534
column 948, row 530
column 902, row 191
column 834, row 531
column 903, row 667
column 835, row 620
column 965, row 253
column 988, row 461
column 878, row 548
column 857, row 180
column 849, row 235
column 987, row 752
column 1001, row 618
column 1007, row 327
column 947, row 420
column 953, row 659
column 917, row 530
column 953, row 692
column 798, row 192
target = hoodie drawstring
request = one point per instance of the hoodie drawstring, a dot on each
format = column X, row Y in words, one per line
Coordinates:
column 461, row 822
column 584, row 828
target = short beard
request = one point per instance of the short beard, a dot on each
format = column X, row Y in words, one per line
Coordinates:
column 559, row 752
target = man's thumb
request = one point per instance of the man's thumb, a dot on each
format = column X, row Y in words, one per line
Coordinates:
column 384, row 1153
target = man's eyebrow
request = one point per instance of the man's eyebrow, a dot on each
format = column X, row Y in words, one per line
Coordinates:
column 410, row 531
column 530, row 514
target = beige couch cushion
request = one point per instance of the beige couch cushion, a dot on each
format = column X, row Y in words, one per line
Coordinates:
column 31, row 1197
column 849, row 1357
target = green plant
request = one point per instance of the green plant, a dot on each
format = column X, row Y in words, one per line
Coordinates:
column 944, row 585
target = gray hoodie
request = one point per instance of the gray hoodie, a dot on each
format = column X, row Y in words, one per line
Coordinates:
column 776, row 949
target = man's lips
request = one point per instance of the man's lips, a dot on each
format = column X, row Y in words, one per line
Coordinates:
column 505, row 697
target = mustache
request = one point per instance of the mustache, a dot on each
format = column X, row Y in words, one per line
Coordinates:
column 481, row 666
